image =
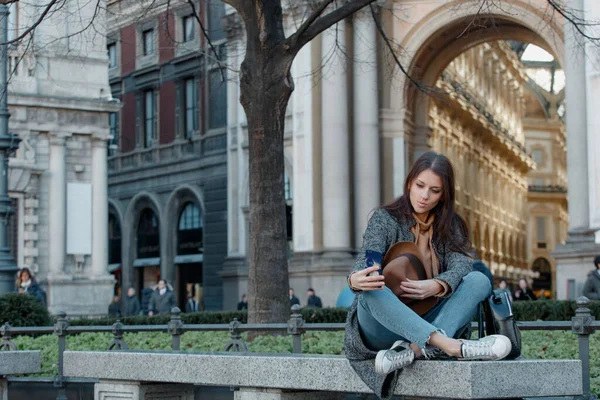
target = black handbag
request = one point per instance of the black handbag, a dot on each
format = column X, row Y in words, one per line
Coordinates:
column 499, row 320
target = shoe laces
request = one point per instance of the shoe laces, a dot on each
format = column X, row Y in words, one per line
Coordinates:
column 432, row 352
column 399, row 354
column 477, row 348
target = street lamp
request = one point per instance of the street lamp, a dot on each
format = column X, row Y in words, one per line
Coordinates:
column 8, row 142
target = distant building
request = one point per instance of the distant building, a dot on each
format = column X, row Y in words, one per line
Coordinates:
column 167, row 170
column 59, row 100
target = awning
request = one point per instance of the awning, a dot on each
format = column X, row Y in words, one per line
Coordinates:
column 189, row 258
column 113, row 267
column 147, row 262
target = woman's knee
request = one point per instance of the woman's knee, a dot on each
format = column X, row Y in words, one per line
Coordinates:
column 478, row 283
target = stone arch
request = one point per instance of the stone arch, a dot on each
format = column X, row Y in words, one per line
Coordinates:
column 138, row 203
column 179, row 198
column 114, row 210
column 431, row 44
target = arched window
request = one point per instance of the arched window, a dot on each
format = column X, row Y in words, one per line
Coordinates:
column 114, row 240
column 544, row 282
column 189, row 235
column 148, row 244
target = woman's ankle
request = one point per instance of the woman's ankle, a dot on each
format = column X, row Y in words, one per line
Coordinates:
column 450, row 346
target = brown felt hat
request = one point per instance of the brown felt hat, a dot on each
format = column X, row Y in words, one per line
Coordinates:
column 403, row 261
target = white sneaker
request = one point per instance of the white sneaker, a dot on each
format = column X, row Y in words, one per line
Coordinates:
column 493, row 347
column 398, row 356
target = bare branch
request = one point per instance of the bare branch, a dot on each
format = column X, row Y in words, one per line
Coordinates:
column 575, row 20
column 389, row 45
column 311, row 18
column 35, row 24
column 205, row 33
column 319, row 24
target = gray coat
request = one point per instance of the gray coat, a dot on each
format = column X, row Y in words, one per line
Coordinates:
column 382, row 231
column 162, row 304
column 591, row 290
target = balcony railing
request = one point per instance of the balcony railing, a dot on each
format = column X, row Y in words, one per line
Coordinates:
column 547, row 189
column 176, row 151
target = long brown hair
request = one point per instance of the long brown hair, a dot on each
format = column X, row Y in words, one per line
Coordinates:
column 20, row 275
column 448, row 227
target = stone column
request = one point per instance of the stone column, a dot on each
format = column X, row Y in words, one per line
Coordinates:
column 574, row 258
column 575, row 92
column 366, row 124
column 99, row 208
column 335, row 142
column 57, row 206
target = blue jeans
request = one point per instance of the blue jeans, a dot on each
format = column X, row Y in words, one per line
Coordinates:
column 384, row 319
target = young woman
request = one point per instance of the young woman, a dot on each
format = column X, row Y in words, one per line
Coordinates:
column 26, row 284
column 383, row 335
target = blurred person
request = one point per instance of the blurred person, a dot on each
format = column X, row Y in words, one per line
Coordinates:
column 146, row 296
column 243, row 305
column 26, row 284
column 313, row 299
column 131, row 306
column 162, row 300
column 191, row 305
column 524, row 292
column 293, row 298
column 591, row 289
column 504, row 287
column 114, row 308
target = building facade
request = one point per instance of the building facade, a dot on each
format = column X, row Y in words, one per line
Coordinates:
column 355, row 124
column 59, row 102
column 167, row 172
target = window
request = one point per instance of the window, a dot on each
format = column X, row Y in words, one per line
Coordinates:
column 191, row 107
column 148, row 240
column 287, row 188
column 149, row 118
column 539, row 182
column 190, row 218
column 217, row 93
column 188, row 28
column 540, row 223
column 113, row 122
column 112, row 55
column 216, row 11
column 114, row 240
column 189, row 235
column 148, row 42
column 538, row 156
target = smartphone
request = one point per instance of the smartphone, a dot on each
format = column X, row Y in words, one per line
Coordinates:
column 374, row 258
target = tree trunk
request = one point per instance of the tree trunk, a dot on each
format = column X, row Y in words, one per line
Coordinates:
column 266, row 86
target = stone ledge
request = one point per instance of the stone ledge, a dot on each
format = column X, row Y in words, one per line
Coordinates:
column 445, row 379
column 19, row 362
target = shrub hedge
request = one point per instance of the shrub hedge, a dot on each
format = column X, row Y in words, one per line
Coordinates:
column 23, row 310
column 545, row 310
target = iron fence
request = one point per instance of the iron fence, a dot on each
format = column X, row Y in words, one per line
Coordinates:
column 583, row 324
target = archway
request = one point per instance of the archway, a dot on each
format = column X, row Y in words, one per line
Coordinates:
column 147, row 262
column 543, row 283
column 190, row 258
column 439, row 45
column 115, row 249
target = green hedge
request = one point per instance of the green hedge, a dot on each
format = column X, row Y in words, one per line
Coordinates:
column 313, row 315
column 550, row 310
column 22, row 310
column 18, row 311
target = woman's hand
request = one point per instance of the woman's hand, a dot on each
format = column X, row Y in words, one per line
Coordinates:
column 360, row 280
column 420, row 290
